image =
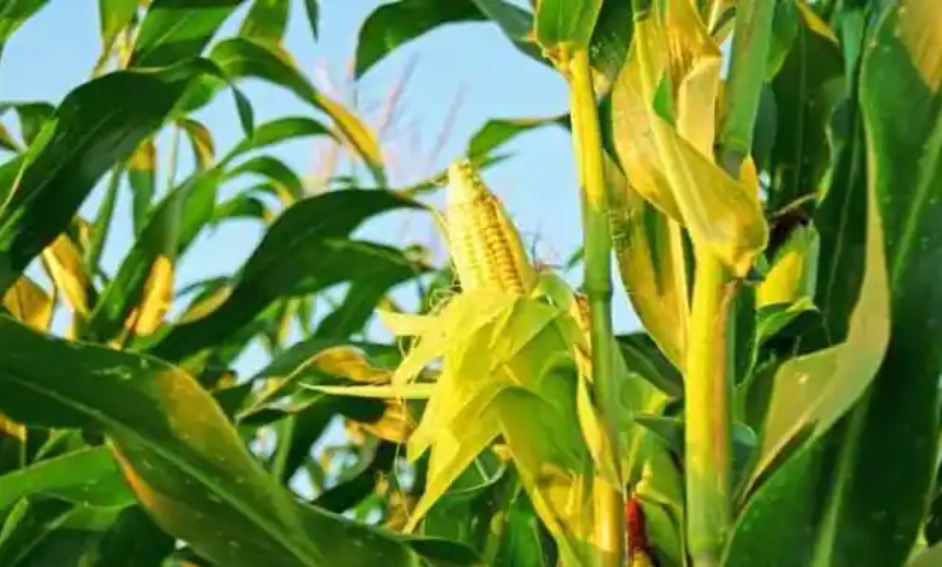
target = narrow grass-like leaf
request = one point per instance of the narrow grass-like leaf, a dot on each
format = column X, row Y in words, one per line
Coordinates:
column 88, row 476
column 177, row 30
column 305, row 250
column 398, row 23
column 14, row 13
column 65, row 163
column 266, row 21
column 181, row 456
column 240, row 58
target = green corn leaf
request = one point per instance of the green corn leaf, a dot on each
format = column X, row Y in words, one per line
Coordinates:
column 497, row 132
column 41, row 531
column 133, row 539
column 14, row 13
column 807, row 89
column 266, row 21
column 142, row 176
column 278, row 131
column 87, row 476
column 64, row 164
column 32, row 116
column 813, row 391
column 137, row 297
column 240, row 58
column 201, row 140
column 305, row 250
column 397, row 23
column 901, row 102
column 180, row 455
column 927, row 558
column 313, row 16
column 162, row 40
column 284, row 181
column 566, row 22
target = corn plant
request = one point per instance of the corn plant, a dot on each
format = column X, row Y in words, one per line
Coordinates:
column 765, row 175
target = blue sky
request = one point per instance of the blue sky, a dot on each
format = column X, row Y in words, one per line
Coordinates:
column 56, row 50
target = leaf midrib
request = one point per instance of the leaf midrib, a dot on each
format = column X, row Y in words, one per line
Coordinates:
column 169, row 456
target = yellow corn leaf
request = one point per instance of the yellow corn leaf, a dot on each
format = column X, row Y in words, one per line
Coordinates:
column 155, row 298
column 721, row 213
column 461, row 317
column 406, row 324
column 387, row 391
column 63, row 262
column 207, row 305
column 29, row 303
column 350, row 363
column 455, row 449
column 694, row 70
column 395, row 425
column 537, row 433
column 794, row 269
column 649, row 251
column 10, row 428
column 813, row 391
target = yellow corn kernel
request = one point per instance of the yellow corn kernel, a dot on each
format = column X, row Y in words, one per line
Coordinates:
column 486, row 249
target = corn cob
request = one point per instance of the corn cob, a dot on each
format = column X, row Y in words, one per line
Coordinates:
column 486, row 249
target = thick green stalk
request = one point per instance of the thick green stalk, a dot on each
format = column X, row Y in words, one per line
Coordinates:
column 609, row 501
column 707, row 404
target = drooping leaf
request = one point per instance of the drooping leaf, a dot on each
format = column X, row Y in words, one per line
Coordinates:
column 177, row 30
column 397, row 23
column 240, row 58
column 180, row 455
column 277, row 131
column 32, row 117
column 14, row 13
column 201, row 140
column 497, row 132
column 65, row 163
column 305, row 250
column 284, row 182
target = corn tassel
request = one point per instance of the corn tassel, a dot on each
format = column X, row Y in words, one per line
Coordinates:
column 486, row 249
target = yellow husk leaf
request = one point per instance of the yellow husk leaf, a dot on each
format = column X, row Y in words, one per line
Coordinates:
column 674, row 169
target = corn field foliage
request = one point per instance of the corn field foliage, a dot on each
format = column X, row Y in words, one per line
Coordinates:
column 763, row 176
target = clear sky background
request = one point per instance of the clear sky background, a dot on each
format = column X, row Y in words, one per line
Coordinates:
column 468, row 71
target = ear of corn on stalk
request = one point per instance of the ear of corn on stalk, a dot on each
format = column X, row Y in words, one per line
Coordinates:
column 515, row 352
column 485, row 247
